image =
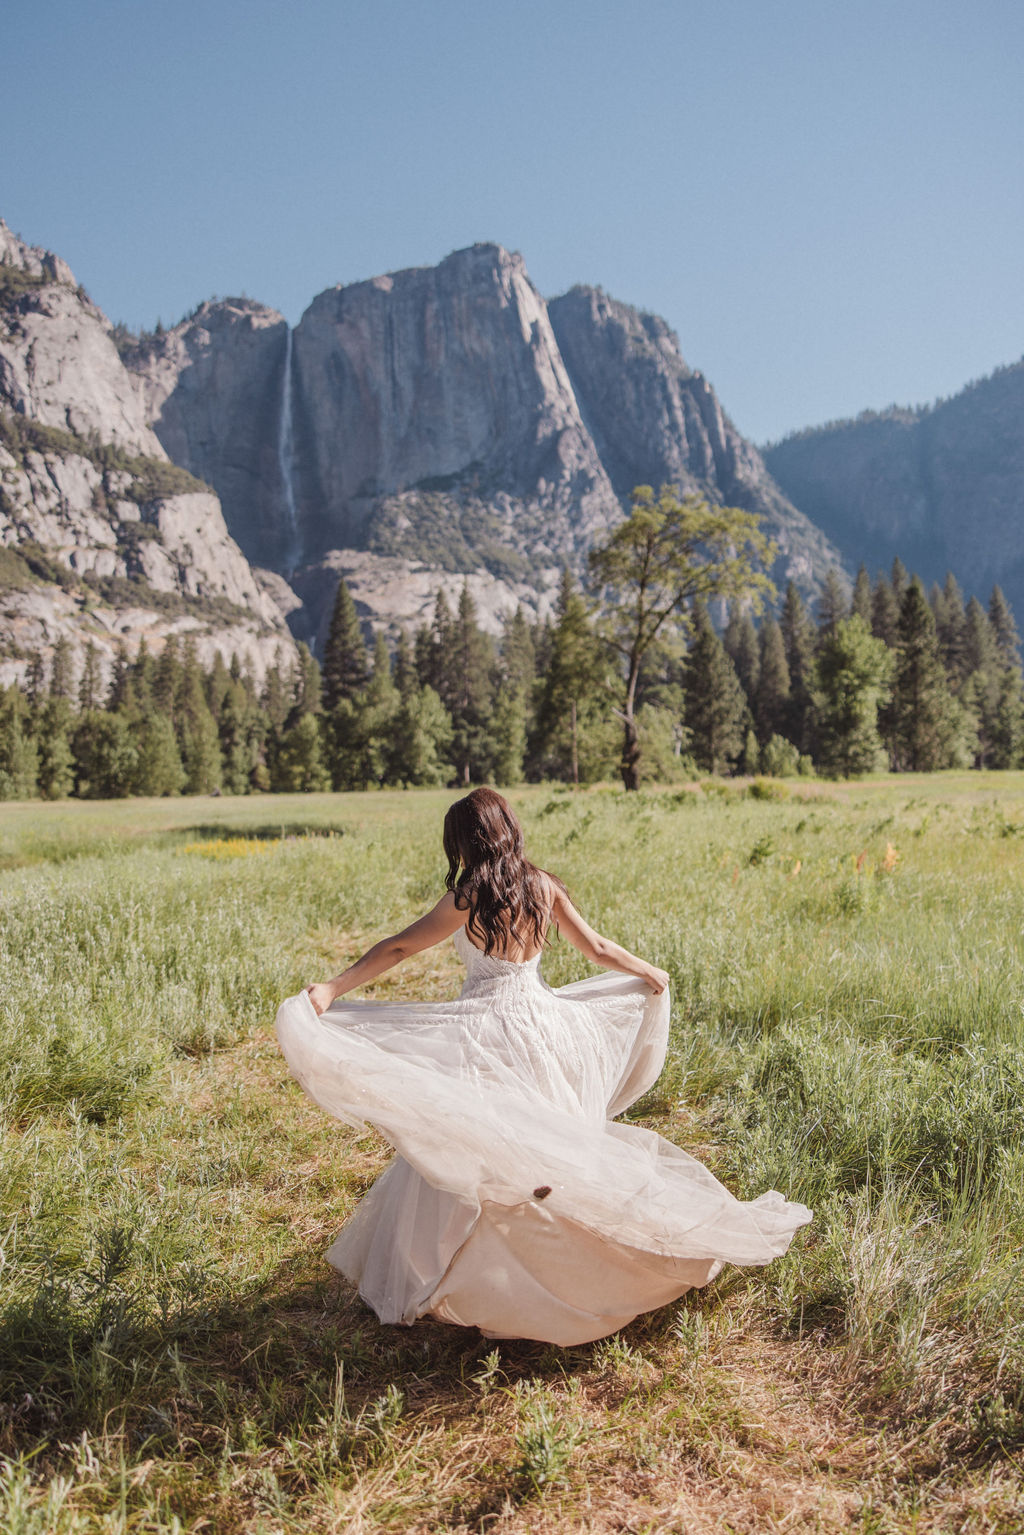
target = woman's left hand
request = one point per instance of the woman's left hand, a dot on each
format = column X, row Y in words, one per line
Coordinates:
column 321, row 995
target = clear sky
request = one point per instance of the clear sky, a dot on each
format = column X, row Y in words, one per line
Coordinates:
column 825, row 198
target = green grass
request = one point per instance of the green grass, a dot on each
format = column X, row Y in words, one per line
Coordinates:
column 848, row 976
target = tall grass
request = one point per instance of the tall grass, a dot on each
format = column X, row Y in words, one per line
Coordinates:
column 848, row 975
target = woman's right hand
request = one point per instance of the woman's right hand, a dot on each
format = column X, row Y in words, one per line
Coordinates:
column 657, row 979
column 321, row 994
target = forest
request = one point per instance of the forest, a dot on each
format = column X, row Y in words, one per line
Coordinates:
column 891, row 677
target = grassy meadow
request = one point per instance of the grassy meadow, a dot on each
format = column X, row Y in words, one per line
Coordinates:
column 175, row 1354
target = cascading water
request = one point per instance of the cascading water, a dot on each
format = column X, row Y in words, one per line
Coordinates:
column 285, row 460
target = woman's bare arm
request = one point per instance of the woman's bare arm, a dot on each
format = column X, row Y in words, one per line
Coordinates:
column 438, row 924
column 601, row 951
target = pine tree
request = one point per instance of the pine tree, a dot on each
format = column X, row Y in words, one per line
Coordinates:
column 772, row 704
column 798, row 640
column 165, row 684
column 572, row 711
column 274, row 699
column 35, row 679
column 19, row 759
column 158, row 767
column 56, row 763
column 346, row 668
column 741, row 646
column 298, row 765
column 423, row 731
column 469, row 693
column 1003, row 627
column 885, row 611
column 900, row 580
column 1007, row 727
column 90, row 682
column 196, row 727
column 405, row 667
column 861, row 601
column 121, row 693
column 365, row 727
column 833, row 605
column 950, row 627
column 924, row 721
column 715, row 705
column 852, row 673
column 62, row 672
column 106, row 757
column 306, row 684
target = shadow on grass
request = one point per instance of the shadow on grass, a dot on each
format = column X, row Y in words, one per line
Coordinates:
column 270, row 831
column 191, row 1372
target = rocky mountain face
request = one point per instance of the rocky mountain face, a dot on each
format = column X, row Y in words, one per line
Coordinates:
column 442, row 422
column 655, row 421
column 942, row 487
column 102, row 538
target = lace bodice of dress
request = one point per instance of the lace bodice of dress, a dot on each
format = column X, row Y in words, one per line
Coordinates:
column 488, row 973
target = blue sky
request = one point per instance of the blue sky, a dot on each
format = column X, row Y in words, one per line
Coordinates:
column 824, row 198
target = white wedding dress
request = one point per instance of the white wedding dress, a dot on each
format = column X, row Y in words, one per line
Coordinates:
column 516, row 1205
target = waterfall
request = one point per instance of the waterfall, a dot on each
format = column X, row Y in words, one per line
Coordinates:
column 285, row 460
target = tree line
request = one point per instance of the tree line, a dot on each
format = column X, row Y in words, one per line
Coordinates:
column 659, row 672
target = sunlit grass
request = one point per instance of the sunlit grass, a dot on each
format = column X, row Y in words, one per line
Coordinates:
column 848, row 976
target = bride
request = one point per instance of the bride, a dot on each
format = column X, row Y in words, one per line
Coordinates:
column 517, row 1203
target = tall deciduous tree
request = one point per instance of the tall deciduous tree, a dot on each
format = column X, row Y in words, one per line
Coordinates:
column 668, row 553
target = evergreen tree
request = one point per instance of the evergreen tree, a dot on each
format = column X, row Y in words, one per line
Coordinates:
column 1006, row 731
column 1004, row 629
column 982, row 691
column 19, row 759
column 142, row 673
column 518, row 654
column 798, row 641
column 469, row 696
column 106, row 757
column 742, row 648
column 362, row 728
column 924, row 722
column 423, row 731
column 715, row 705
column 571, row 712
column 165, row 682
column 56, row 763
column 346, row 669
column 62, row 671
column 90, row 683
column 306, row 684
column 885, row 611
column 274, row 698
column 900, row 580
column 35, row 679
column 861, row 600
column 772, row 704
column 297, row 766
column 833, row 605
column 121, row 693
column 158, row 766
column 195, row 726
column 852, row 672
column 405, row 667
column 950, row 627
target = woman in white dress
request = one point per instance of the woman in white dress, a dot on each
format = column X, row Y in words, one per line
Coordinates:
column 516, row 1204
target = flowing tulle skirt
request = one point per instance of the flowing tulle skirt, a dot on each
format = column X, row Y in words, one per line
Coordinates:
column 516, row 1204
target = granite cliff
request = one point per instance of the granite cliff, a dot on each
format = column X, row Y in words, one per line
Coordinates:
column 441, row 422
column 102, row 538
column 941, row 486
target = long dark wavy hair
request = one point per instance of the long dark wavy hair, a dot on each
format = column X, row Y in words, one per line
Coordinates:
column 504, row 892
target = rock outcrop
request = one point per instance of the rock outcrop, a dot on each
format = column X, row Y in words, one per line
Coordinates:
column 213, row 387
column 655, row 421
column 941, row 487
column 102, row 538
column 446, row 421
